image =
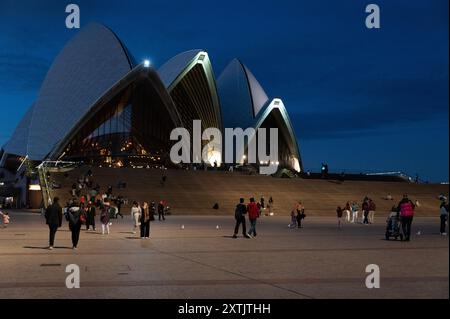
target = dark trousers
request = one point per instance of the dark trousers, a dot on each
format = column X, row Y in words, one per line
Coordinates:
column 52, row 229
column 443, row 220
column 161, row 215
column 75, row 235
column 299, row 221
column 90, row 221
column 406, row 226
column 366, row 217
column 239, row 221
column 145, row 229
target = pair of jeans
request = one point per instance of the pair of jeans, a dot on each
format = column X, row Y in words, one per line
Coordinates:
column 366, row 217
column 52, row 229
column 355, row 217
column 252, row 227
column 443, row 220
column 239, row 221
column 406, row 226
column 145, row 229
column 75, row 235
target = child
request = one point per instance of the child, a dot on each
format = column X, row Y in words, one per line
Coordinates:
column 339, row 213
column 104, row 219
column 5, row 217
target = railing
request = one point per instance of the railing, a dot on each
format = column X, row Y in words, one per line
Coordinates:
column 46, row 167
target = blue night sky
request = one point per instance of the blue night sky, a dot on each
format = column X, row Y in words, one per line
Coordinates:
column 359, row 99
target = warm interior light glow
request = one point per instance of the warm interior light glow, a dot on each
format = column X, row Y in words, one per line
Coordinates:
column 34, row 187
column 214, row 157
column 296, row 164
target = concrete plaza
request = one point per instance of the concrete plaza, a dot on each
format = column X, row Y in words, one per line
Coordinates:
column 201, row 261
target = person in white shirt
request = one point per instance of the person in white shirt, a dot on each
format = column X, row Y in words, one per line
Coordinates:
column 135, row 215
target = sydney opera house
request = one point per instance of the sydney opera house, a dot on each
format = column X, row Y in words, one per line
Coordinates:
column 99, row 106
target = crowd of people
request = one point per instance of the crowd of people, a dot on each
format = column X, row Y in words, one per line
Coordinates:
column 403, row 213
column 87, row 201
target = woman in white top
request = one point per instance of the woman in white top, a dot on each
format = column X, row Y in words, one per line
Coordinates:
column 136, row 215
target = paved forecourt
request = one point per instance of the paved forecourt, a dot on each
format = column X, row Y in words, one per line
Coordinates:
column 203, row 261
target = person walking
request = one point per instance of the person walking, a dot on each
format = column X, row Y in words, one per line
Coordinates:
column 365, row 210
column 53, row 218
column 372, row 208
column 270, row 206
column 339, row 214
column 119, row 203
column 444, row 208
column 161, row 211
column 104, row 219
column 145, row 221
column 90, row 216
column 75, row 223
column 253, row 215
column 355, row 211
column 347, row 211
column 293, row 223
column 406, row 210
column 135, row 215
column 300, row 214
column 239, row 216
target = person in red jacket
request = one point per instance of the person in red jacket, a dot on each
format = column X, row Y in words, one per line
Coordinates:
column 406, row 210
column 253, row 214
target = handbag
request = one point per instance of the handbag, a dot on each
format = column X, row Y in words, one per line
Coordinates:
column 83, row 218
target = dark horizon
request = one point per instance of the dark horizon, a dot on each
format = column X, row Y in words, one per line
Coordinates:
column 359, row 99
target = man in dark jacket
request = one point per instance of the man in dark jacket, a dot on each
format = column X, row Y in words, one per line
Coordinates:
column 239, row 215
column 53, row 218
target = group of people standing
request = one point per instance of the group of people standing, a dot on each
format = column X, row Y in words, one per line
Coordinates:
column 143, row 214
column 297, row 215
column 350, row 212
column 78, row 213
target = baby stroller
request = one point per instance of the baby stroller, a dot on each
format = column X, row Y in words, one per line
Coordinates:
column 393, row 227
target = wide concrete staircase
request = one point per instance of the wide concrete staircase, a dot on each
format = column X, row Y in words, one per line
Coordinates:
column 195, row 192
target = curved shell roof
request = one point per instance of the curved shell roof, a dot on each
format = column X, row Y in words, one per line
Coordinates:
column 95, row 62
column 92, row 62
column 170, row 70
column 19, row 140
column 241, row 95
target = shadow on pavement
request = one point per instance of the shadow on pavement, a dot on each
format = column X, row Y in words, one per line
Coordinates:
column 46, row 247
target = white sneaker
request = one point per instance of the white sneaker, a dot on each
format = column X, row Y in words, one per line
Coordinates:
column 444, row 234
column 51, row 247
